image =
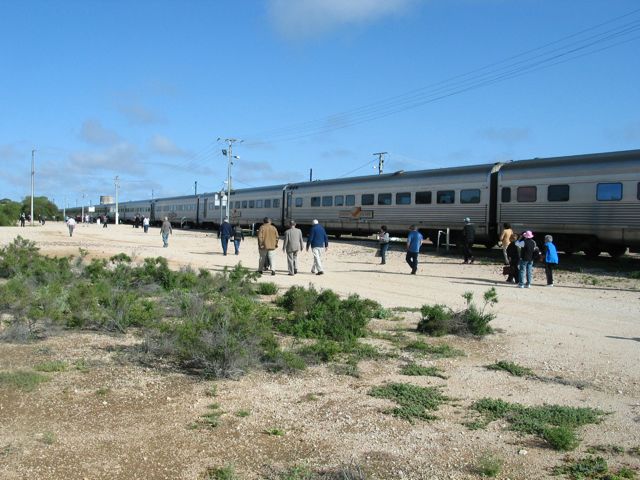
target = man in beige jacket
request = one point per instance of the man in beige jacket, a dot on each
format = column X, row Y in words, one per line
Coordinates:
column 505, row 240
column 291, row 246
column 267, row 244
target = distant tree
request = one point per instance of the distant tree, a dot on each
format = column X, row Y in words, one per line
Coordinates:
column 9, row 212
column 41, row 206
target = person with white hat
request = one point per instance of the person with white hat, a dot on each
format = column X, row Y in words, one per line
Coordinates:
column 468, row 237
column 318, row 241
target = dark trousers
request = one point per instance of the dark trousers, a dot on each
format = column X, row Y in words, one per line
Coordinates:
column 548, row 270
column 468, row 254
column 412, row 260
column 224, row 239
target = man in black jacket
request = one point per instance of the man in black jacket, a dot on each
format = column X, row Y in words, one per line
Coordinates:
column 468, row 237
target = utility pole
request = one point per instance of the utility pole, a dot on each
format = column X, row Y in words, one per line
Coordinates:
column 117, row 184
column 64, row 209
column 195, row 189
column 311, row 174
column 152, row 194
column 33, row 174
column 83, row 195
column 380, row 161
column 229, row 154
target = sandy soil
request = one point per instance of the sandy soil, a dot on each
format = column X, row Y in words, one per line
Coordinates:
column 122, row 419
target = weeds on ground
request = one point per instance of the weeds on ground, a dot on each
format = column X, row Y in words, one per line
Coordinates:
column 266, row 288
column 211, row 419
column 442, row 350
column 81, row 365
column 512, row 368
column 48, row 438
column 220, row 473
column 439, row 320
column 276, row 432
column 414, row 402
column 607, row 449
column 489, row 465
column 413, row 369
column 556, row 424
column 22, row 380
column 592, row 468
column 103, row 391
column 302, row 472
column 243, row 413
column 51, row 366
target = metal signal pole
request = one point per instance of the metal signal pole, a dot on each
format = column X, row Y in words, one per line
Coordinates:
column 229, row 154
column 33, row 174
column 380, row 161
column 117, row 183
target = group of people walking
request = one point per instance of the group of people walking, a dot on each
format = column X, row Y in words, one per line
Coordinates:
column 520, row 253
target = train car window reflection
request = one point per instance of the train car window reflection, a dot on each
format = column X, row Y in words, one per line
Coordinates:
column 258, row 203
column 558, row 193
column 350, row 200
column 638, row 196
column 252, row 203
column 237, row 203
column 384, row 199
column 527, row 194
column 470, row 196
column 244, row 204
column 267, row 203
column 609, row 192
column 423, row 198
column 276, row 203
column 327, row 201
column 299, row 201
column 315, row 201
column 367, row 199
column 446, row 196
column 506, row 194
column 338, row 201
column 403, row 198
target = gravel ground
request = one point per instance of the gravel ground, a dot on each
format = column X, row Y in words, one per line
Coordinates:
column 122, row 419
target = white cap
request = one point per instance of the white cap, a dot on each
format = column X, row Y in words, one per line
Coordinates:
column 315, row 222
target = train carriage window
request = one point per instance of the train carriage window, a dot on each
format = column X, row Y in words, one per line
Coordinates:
column 338, row 200
column 471, row 195
column 367, row 199
column 276, row 203
column 558, row 193
column 315, row 201
column 506, row 194
column 244, row 204
column 527, row 194
column 423, row 198
column 446, row 196
column 609, row 192
column 258, row 203
column 267, row 203
column 299, row 201
column 638, row 195
column 327, row 201
column 252, row 203
column 238, row 203
column 349, row 200
column 384, row 199
column 403, row 198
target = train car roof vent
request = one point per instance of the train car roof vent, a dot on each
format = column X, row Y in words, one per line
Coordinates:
column 399, row 172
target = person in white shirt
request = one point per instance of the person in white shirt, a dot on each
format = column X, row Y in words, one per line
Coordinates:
column 71, row 223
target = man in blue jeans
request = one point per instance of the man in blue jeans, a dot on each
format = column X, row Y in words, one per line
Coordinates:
column 414, row 242
column 224, row 234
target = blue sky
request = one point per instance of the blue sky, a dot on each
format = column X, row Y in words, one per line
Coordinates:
column 143, row 89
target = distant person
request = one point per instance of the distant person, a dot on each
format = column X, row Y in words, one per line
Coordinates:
column 165, row 231
column 224, row 234
column 550, row 254
column 71, row 224
column 292, row 244
column 528, row 251
column 468, row 239
column 136, row 221
column 23, row 219
column 267, row 243
column 238, row 236
column 105, row 221
column 513, row 254
column 318, row 241
column 145, row 224
column 414, row 242
column 383, row 243
column 505, row 240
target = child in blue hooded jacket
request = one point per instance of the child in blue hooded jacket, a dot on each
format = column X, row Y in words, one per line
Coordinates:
column 550, row 258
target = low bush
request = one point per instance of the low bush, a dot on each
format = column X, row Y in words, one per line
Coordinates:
column 442, row 350
column 562, row 438
column 413, row 369
column 489, row 465
column 21, row 379
column 592, row 468
column 51, row 366
column 512, row 368
column 266, row 288
column 436, row 320
column 414, row 402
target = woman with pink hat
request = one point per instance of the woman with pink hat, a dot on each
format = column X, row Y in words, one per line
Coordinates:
column 528, row 251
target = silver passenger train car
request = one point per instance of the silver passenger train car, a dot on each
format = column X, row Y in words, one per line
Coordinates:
column 587, row 202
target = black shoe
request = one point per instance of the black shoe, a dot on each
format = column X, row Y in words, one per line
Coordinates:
column 413, row 272
column 292, row 274
column 320, row 273
column 273, row 272
column 295, row 271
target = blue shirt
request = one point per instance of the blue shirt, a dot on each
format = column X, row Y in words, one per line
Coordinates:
column 552, row 253
column 415, row 239
column 318, row 237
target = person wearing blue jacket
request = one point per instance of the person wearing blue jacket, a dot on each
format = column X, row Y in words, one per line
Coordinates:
column 224, row 234
column 318, row 241
column 550, row 258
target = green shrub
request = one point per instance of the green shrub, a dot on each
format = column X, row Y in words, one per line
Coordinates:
column 22, row 380
column 560, row 438
column 512, row 368
column 413, row 369
column 51, row 366
column 475, row 319
column 266, row 288
column 436, row 320
column 414, row 402
column 489, row 465
column 442, row 350
column 220, row 473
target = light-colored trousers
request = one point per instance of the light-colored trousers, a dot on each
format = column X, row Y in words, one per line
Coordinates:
column 264, row 254
column 506, row 257
column 318, row 253
column 292, row 261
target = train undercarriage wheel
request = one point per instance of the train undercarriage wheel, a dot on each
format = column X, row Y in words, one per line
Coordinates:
column 616, row 251
column 592, row 252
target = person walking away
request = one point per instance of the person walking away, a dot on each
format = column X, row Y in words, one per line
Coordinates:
column 550, row 254
column 71, row 224
column 513, row 254
column 165, row 231
column 292, row 245
column 23, row 219
column 528, row 251
column 145, row 224
column 105, row 220
column 505, row 240
column 224, row 234
column 267, row 243
column 468, row 238
column 238, row 236
column 318, row 241
column 414, row 242
column 383, row 243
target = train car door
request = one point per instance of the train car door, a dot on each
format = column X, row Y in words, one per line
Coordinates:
column 197, row 210
column 204, row 211
column 288, row 201
column 152, row 213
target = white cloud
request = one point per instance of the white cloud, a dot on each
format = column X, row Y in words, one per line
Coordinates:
column 138, row 114
column 309, row 18
column 162, row 145
column 122, row 157
column 95, row 133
